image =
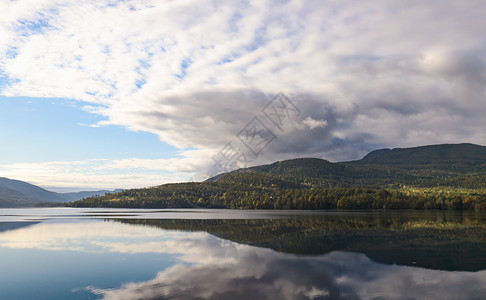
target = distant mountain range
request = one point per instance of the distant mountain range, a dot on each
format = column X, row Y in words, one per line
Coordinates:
column 16, row 193
column 435, row 176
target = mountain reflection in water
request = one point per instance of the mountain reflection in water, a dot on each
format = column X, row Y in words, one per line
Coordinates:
column 435, row 240
column 300, row 257
column 212, row 268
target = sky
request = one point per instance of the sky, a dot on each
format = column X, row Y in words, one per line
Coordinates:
column 136, row 93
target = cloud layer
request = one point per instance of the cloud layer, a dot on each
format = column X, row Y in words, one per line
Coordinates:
column 363, row 75
column 66, row 176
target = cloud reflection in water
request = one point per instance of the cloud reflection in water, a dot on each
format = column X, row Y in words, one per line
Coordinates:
column 212, row 268
column 208, row 267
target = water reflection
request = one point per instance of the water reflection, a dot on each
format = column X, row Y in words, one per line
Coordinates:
column 434, row 241
column 88, row 236
column 6, row 226
column 216, row 269
column 218, row 259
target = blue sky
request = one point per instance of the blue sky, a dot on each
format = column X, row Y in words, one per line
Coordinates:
column 121, row 94
column 56, row 129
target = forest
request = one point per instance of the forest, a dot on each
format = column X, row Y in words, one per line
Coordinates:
column 428, row 177
column 216, row 195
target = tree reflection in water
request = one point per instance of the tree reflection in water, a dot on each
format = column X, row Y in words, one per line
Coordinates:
column 215, row 268
column 454, row 241
column 212, row 268
column 307, row 255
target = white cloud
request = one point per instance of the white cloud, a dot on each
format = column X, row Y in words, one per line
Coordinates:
column 311, row 123
column 105, row 173
column 391, row 74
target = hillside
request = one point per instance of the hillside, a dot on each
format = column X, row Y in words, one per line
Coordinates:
column 30, row 190
column 16, row 193
column 441, row 155
column 448, row 157
column 12, row 198
column 74, row 196
column 461, row 165
column 438, row 176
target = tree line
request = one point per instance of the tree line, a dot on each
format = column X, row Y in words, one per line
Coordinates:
column 227, row 195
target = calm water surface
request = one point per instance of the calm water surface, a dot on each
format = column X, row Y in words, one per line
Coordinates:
column 66, row 253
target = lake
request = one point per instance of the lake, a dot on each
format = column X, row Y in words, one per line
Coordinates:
column 69, row 253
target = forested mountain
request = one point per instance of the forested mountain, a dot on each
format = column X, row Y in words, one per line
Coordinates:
column 461, row 165
column 438, row 176
column 457, row 157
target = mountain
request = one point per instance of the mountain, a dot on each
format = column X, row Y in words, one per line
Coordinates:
column 448, row 157
column 455, row 165
column 30, row 190
column 86, row 194
column 301, row 171
column 437, row 176
column 12, row 198
column 16, row 193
